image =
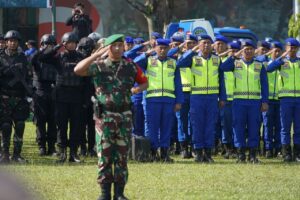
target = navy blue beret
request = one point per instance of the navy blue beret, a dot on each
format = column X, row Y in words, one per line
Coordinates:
column 191, row 37
column 264, row 44
column 205, row 37
column 234, row 45
column 138, row 41
column 292, row 42
column 221, row 38
column 276, row 44
column 248, row 42
column 164, row 42
column 156, row 35
column 129, row 40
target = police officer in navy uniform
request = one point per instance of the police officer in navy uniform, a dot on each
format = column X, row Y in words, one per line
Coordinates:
column 44, row 76
column 69, row 98
column 14, row 87
column 289, row 95
column 86, row 46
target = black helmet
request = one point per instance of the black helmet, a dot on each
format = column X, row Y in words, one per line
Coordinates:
column 86, row 43
column 69, row 37
column 95, row 36
column 48, row 39
column 12, row 34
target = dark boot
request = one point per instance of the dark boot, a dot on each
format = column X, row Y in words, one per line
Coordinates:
column 287, row 154
column 51, row 149
column 42, row 151
column 199, row 155
column 184, row 150
column 62, row 155
column 17, row 153
column 154, row 155
column 74, row 156
column 83, row 150
column 252, row 156
column 4, row 159
column 297, row 152
column 241, row 157
column 119, row 192
column 105, row 191
column 164, row 155
column 227, row 150
column 269, row 154
column 207, row 155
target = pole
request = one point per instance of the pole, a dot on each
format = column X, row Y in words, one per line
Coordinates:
column 53, row 9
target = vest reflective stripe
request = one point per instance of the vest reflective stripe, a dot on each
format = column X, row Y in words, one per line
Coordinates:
column 229, row 84
column 161, row 78
column 289, row 81
column 186, row 75
column 205, row 75
column 247, row 80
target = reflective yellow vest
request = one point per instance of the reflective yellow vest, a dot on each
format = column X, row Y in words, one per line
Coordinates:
column 289, row 82
column 247, row 80
column 273, row 83
column 229, row 82
column 205, row 75
column 161, row 77
column 186, row 75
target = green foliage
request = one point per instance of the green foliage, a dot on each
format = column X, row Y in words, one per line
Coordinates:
column 182, row 180
column 294, row 25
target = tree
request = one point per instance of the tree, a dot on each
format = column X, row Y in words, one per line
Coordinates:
column 158, row 13
column 294, row 26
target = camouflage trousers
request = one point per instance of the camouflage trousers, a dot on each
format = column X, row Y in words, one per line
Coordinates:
column 113, row 131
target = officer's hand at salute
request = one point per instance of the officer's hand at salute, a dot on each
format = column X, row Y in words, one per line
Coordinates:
column 177, row 107
column 264, row 107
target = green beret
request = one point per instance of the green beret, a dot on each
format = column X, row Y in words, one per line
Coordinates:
column 114, row 38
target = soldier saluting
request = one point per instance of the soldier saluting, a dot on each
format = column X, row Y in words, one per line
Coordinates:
column 114, row 77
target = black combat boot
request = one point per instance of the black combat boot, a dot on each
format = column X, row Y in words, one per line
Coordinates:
column 227, row 150
column 287, row 154
column 51, row 149
column 241, row 157
column 252, row 156
column 119, row 192
column 164, row 155
column 154, row 155
column 184, row 150
column 105, row 191
column 269, row 154
column 17, row 153
column 74, row 156
column 83, row 150
column 207, row 155
column 4, row 159
column 62, row 155
column 199, row 155
column 297, row 152
column 42, row 151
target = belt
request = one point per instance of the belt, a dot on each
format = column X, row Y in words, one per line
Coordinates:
column 117, row 109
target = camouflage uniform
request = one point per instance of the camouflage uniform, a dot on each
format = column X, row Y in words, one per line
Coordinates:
column 113, row 82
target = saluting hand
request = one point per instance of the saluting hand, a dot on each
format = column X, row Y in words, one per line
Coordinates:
column 177, row 107
column 264, row 107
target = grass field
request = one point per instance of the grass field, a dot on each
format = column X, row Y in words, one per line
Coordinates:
column 182, row 180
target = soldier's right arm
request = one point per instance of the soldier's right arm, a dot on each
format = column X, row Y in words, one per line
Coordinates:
column 82, row 68
column 274, row 65
column 186, row 59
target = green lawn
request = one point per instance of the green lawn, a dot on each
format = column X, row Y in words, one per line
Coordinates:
column 182, row 180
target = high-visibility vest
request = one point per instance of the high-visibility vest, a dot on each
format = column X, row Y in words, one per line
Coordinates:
column 289, row 82
column 273, row 78
column 186, row 75
column 205, row 75
column 161, row 77
column 229, row 80
column 247, row 80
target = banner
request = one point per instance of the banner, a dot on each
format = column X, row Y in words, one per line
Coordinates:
column 25, row 3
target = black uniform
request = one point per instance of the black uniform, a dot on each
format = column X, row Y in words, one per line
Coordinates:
column 81, row 25
column 14, row 108
column 85, row 46
column 44, row 77
column 69, row 98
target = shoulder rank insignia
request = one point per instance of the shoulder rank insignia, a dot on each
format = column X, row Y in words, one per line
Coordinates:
column 153, row 62
column 215, row 60
column 170, row 64
column 238, row 65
